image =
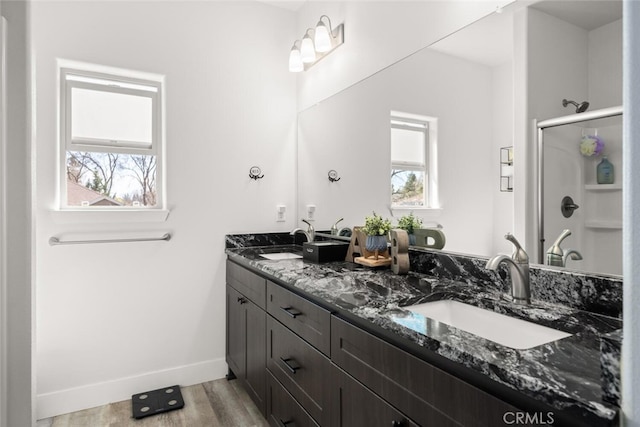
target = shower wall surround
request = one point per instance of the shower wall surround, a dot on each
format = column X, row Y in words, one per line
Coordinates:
column 594, row 293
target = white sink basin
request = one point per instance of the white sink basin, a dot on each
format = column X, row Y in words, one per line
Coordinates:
column 505, row 330
column 281, row 255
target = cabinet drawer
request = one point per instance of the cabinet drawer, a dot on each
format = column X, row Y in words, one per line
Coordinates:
column 282, row 408
column 410, row 384
column 311, row 322
column 247, row 283
column 354, row 405
column 300, row 368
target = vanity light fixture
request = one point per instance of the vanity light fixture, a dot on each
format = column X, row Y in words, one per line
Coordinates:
column 310, row 50
column 307, row 49
column 295, row 58
column 322, row 39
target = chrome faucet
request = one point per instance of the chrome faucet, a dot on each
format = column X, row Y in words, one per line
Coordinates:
column 570, row 253
column 518, row 271
column 310, row 233
column 334, row 227
column 557, row 256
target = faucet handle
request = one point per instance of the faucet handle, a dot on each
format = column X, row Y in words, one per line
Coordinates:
column 519, row 255
column 334, row 227
column 310, row 227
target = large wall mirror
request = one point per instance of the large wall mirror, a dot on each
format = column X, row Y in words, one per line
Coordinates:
column 463, row 84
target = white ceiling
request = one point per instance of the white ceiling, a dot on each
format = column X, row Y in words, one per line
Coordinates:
column 489, row 41
column 293, row 5
column 586, row 14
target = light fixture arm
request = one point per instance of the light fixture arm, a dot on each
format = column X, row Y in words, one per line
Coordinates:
column 330, row 27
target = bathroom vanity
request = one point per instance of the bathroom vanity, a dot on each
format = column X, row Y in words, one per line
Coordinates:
column 334, row 345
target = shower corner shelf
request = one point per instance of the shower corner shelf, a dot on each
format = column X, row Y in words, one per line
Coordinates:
column 611, row 225
column 603, row 187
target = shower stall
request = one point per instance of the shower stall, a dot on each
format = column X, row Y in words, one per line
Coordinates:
column 570, row 148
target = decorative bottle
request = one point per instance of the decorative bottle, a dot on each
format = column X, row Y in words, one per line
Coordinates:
column 605, row 171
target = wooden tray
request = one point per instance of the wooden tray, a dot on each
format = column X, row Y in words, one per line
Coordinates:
column 372, row 262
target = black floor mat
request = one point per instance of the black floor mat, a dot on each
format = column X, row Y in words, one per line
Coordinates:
column 156, row 401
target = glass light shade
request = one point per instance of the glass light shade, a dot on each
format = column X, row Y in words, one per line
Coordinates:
column 295, row 61
column 322, row 38
column 307, row 50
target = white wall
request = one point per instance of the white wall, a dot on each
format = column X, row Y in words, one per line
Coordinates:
column 502, row 136
column 377, row 34
column 631, row 333
column 349, row 132
column 115, row 319
column 605, row 65
column 16, row 298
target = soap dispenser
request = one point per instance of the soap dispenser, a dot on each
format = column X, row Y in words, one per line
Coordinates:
column 605, row 171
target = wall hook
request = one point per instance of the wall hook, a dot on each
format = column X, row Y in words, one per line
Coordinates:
column 333, row 176
column 255, row 173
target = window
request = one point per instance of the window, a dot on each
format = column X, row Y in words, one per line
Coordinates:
column 111, row 141
column 413, row 168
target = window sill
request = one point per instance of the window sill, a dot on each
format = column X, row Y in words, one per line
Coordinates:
column 105, row 216
column 435, row 211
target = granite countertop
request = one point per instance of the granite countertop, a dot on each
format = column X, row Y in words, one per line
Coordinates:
column 565, row 374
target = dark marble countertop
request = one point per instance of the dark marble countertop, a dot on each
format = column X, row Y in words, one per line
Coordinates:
column 564, row 375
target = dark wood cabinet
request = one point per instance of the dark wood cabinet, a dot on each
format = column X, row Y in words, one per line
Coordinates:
column 282, row 409
column 311, row 322
column 302, row 369
column 353, row 405
column 236, row 353
column 246, row 331
column 246, row 344
column 247, row 283
column 430, row 396
column 304, row 366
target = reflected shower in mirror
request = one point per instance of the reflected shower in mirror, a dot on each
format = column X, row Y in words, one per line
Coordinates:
column 572, row 197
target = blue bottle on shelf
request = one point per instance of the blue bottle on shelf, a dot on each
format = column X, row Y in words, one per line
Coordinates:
column 605, row 171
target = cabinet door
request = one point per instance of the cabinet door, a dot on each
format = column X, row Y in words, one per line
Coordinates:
column 356, row 406
column 256, row 354
column 282, row 408
column 236, row 353
column 246, row 345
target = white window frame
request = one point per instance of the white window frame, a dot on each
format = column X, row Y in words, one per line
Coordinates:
column 429, row 165
column 112, row 80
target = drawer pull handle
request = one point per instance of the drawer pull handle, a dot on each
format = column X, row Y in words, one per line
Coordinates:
column 291, row 311
column 289, row 423
column 242, row 300
column 286, row 363
column 395, row 423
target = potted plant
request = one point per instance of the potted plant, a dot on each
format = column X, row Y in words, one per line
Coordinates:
column 376, row 228
column 409, row 223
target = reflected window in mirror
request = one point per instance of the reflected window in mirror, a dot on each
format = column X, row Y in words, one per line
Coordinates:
column 412, row 165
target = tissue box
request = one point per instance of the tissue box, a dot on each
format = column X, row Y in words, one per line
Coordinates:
column 325, row 251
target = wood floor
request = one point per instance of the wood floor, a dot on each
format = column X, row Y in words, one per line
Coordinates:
column 218, row 403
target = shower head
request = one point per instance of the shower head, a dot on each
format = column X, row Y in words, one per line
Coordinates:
column 580, row 108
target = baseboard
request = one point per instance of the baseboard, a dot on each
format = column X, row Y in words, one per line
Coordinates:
column 92, row 395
